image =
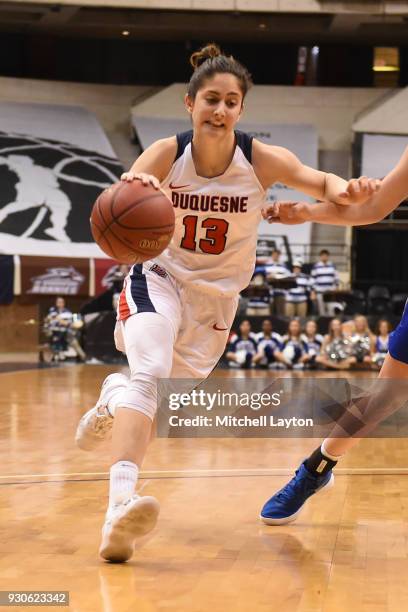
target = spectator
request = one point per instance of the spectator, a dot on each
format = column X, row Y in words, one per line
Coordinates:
column 294, row 351
column 269, row 344
column 335, row 353
column 313, row 342
column 63, row 329
column 242, row 347
column 362, row 340
column 274, row 269
column 381, row 342
column 56, row 325
column 324, row 278
column 296, row 298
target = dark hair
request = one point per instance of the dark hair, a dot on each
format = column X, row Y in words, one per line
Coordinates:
column 209, row 61
column 324, row 252
column 377, row 328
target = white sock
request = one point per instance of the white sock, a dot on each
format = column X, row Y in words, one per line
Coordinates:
column 122, row 483
column 328, row 455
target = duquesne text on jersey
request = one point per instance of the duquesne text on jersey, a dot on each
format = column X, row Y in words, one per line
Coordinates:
column 209, row 203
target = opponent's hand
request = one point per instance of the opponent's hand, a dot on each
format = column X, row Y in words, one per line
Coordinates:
column 358, row 191
column 289, row 213
column 147, row 179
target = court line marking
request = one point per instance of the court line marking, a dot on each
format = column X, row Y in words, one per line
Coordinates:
column 231, row 473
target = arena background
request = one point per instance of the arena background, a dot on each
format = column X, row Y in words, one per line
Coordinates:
column 84, row 88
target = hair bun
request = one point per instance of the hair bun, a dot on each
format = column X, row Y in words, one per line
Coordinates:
column 209, row 51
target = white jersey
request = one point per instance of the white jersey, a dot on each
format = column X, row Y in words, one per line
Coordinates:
column 214, row 242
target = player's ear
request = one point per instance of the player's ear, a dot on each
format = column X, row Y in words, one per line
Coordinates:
column 188, row 103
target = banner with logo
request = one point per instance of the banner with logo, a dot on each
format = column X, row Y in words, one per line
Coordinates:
column 109, row 274
column 302, row 140
column 54, row 162
column 54, row 276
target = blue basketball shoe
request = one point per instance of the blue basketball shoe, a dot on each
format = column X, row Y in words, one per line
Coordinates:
column 286, row 504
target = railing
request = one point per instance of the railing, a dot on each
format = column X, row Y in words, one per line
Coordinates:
column 340, row 254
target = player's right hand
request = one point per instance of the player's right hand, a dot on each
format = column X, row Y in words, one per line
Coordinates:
column 147, row 179
column 289, row 213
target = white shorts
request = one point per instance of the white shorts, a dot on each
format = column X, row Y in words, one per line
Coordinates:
column 183, row 328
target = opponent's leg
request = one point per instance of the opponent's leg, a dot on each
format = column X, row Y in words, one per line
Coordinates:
column 360, row 417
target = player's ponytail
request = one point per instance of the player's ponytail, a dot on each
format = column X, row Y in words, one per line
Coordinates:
column 210, row 60
column 209, row 51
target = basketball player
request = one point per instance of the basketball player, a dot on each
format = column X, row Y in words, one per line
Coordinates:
column 316, row 472
column 175, row 312
column 38, row 186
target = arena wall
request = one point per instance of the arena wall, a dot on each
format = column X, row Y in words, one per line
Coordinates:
column 332, row 110
column 375, row 7
column 110, row 103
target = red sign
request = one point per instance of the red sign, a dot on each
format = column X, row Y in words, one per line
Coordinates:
column 54, row 276
column 108, row 272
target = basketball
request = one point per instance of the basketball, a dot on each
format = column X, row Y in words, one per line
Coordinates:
column 132, row 222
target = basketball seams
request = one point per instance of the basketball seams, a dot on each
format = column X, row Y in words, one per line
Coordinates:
column 133, row 204
column 110, row 238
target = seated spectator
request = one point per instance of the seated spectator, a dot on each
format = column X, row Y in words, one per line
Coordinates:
column 269, row 343
column 63, row 329
column 242, row 348
column 313, row 342
column 324, row 278
column 362, row 340
column 296, row 298
column 381, row 342
column 56, row 325
column 275, row 269
column 335, row 353
column 294, row 349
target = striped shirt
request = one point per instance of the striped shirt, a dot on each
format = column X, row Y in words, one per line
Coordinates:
column 279, row 270
column 324, row 277
column 299, row 294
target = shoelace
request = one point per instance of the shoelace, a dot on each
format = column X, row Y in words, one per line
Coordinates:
column 294, row 485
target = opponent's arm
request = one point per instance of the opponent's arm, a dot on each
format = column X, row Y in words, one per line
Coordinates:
column 393, row 190
column 277, row 164
column 154, row 164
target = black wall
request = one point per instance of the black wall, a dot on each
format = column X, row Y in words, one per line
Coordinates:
column 126, row 61
column 380, row 257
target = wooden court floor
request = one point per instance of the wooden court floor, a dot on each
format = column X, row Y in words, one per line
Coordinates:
column 348, row 550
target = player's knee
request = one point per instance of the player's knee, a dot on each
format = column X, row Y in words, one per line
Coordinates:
column 398, row 343
column 141, row 394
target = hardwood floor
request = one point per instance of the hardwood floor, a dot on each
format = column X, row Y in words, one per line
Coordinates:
column 348, row 549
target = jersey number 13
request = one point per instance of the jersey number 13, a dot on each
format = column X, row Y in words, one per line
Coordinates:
column 215, row 236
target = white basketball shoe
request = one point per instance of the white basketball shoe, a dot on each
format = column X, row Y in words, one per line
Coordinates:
column 96, row 424
column 128, row 520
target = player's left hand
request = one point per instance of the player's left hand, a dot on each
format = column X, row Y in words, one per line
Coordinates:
column 147, row 179
column 289, row 213
column 359, row 190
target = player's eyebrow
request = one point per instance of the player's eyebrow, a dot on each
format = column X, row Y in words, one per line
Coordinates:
column 230, row 93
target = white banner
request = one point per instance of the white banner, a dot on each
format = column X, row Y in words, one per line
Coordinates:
column 54, row 162
column 381, row 153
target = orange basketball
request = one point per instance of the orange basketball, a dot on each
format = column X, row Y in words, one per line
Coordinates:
column 132, row 222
